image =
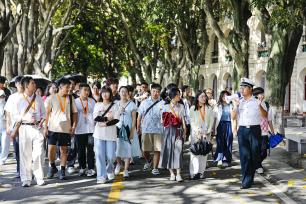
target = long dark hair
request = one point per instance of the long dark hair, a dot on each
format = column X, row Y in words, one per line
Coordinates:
column 196, row 100
column 106, row 89
column 220, row 101
column 171, row 93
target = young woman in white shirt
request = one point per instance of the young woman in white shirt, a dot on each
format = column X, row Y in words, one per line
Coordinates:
column 105, row 136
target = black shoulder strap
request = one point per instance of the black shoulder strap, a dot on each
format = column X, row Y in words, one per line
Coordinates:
column 156, row 102
column 268, row 105
column 109, row 107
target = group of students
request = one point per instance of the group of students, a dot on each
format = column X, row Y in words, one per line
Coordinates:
column 112, row 125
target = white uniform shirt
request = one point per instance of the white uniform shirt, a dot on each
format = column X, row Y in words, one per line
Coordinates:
column 35, row 113
column 85, row 121
column 248, row 112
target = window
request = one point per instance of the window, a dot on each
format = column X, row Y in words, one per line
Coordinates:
column 263, row 81
column 305, row 88
column 215, row 86
column 214, row 54
column 228, row 82
column 202, row 82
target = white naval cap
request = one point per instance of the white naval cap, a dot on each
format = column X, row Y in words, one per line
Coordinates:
column 246, row 82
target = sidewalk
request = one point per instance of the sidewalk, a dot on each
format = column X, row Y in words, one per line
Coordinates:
column 284, row 174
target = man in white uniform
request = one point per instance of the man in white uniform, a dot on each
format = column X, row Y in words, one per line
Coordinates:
column 248, row 110
column 31, row 112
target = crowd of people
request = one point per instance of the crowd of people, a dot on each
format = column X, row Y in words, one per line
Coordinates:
column 106, row 127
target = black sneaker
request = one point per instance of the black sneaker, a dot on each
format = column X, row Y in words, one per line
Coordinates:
column 51, row 172
column 62, row 175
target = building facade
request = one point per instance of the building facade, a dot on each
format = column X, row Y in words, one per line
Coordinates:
column 217, row 72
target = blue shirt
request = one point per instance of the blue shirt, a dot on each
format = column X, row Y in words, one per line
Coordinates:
column 151, row 122
column 226, row 113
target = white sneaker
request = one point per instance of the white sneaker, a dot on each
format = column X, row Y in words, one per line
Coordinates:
column 179, row 178
column 155, row 172
column 91, row 172
column 260, row 170
column 117, row 169
column 172, row 177
column 111, row 176
column 147, row 166
column 26, row 184
column 102, row 181
column 125, row 174
column 82, row 172
column 219, row 163
column 224, row 164
column 40, row 182
column 70, row 170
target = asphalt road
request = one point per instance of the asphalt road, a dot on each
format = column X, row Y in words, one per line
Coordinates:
column 219, row 186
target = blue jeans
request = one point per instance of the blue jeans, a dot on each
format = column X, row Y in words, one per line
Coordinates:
column 104, row 151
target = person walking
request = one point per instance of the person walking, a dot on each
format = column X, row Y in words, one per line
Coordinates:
column 127, row 126
column 10, row 108
column 136, row 150
column 248, row 111
column 223, row 154
column 202, row 118
column 173, row 115
column 265, row 124
column 60, row 126
column 149, row 124
column 96, row 88
column 31, row 113
column 105, row 136
column 72, row 148
column 5, row 138
column 84, row 131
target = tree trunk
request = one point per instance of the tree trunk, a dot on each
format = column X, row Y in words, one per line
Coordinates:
column 281, row 62
column 280, row 67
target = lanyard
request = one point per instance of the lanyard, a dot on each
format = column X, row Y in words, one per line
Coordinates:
column 173, row 111
column 63, row 106
column 29, row 102
column 85, row 109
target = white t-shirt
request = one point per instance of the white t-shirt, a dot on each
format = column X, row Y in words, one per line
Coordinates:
column 108, row 133
column 85, row 121
column 11, row 105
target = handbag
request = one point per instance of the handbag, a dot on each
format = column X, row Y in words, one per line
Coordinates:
column 201, row 147
column 103, row 118
column 17, row 125
column 124, row 133
column 275, row 139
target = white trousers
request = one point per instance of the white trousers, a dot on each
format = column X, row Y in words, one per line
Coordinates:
column 31, row 153
column 197, row 162
column 5, row 146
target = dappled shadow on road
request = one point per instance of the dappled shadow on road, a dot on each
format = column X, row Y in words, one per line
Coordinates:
column 219, row 185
